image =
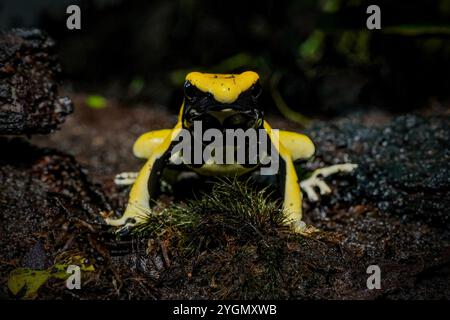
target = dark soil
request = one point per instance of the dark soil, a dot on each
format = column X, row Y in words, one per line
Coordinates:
column 391, row 212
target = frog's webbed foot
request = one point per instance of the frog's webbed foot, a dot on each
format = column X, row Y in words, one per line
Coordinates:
column 125, row 178
column 316, row 180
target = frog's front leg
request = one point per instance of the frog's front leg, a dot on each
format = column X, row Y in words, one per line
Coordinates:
column 143, row 190
column 290, row 189
column 287, row 176
column 316, row 179
column 145, row 186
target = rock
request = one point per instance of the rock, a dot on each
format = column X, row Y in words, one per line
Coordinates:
column 29, row 101
column 403, row 167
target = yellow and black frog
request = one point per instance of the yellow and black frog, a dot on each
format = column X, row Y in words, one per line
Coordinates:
column 222, row 102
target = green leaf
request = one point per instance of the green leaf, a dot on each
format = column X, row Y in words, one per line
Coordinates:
column 96, row 101
column 311, row 49
column 136, row 85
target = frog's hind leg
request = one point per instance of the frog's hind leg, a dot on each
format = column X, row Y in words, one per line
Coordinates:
column 316, row 179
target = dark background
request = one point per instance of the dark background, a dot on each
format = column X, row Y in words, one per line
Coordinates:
column 318, row 55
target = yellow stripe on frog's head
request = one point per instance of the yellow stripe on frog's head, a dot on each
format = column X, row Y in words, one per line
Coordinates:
column 225, row 88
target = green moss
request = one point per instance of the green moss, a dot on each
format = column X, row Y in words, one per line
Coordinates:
column 232, row 208
column 235, row 233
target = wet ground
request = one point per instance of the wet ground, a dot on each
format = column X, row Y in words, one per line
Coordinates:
column 391, row 212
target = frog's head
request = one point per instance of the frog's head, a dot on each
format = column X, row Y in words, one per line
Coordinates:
column 222, row 101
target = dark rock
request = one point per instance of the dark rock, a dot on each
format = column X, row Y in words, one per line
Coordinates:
column 29, row 101
column 36, row 257
column 403, row 167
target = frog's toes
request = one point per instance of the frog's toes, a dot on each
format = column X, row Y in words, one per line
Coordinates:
column 106, row 215
column 308, row 187
column 298, row 226
column 302, row 228
column 123, row 221
column 309, row 184
column 124, row 230
column 125, row 178
column 124, row 225
column 316, row 180
column 128, row 221
column 115, row 222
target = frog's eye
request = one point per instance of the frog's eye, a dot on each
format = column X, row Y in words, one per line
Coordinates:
column 191, row 92
column 256, row 90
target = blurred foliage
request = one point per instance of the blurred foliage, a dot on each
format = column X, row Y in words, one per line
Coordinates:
column 415, row 30
column 311, row 49
column 324, row 60
column 96, row 102
column 136, row 86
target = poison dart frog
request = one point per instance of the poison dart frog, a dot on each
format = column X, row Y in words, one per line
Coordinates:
column 222, row 101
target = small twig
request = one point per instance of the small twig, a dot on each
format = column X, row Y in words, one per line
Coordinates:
column 163, row 245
